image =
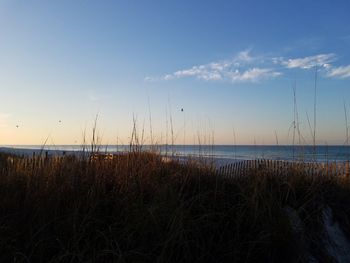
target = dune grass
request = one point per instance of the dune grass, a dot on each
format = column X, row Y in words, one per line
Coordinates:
column 138, row 208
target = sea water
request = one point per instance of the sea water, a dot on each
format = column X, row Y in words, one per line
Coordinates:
column 318, row 153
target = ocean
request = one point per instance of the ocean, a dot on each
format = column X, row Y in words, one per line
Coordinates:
column 306, row 153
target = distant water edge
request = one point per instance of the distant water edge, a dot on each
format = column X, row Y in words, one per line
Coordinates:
column 230, row 152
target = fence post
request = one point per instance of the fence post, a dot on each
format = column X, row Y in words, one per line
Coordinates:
column 242, row 168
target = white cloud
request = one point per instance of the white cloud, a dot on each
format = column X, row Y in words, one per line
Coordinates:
column 149, row 79
column 247, row 68
column 234, row 70
column 340, row 72
column 224, row 71
column 254, row 74
column 321, row 60
column 327, row 66
column 212, row 71
column 245, row 56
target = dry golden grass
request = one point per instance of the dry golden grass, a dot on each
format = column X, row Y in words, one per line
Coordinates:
column 138, row 208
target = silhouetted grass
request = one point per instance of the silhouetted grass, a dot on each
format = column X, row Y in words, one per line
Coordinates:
column 138, row 208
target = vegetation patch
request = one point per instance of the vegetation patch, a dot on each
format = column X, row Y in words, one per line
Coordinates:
column 137, row 207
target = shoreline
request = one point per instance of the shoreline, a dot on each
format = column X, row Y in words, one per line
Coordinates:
column 217, row 160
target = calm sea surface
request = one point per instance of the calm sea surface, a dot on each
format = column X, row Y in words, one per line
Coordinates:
column 239, row 152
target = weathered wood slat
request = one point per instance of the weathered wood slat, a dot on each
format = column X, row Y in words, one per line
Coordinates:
column 244, row 167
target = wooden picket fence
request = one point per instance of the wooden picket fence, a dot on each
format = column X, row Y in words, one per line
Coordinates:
column 242, row 168
column 238, row 168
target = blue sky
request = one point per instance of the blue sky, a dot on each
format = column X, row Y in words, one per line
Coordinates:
column 230, row 65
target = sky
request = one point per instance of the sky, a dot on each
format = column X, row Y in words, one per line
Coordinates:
column 203, row 72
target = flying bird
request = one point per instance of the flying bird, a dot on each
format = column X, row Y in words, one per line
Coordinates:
column 59, row 121
column 17, row 126
column 182, row 109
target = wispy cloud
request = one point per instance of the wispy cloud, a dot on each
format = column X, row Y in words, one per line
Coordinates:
column 321, row 60
column 340, row 72
column 245, row 56
column 254, row 74
column 324, row 61
column 244, row 67
column 212, row 71
column 238, row 69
